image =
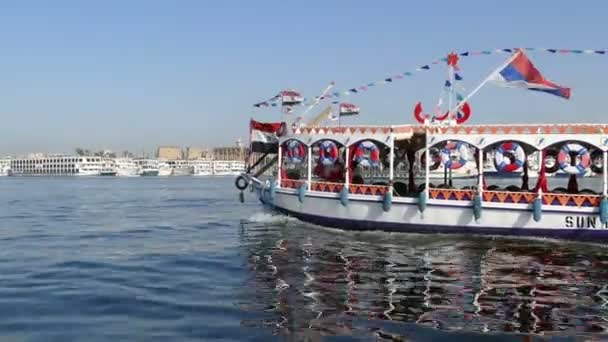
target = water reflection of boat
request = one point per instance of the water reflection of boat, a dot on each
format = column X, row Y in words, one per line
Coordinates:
column 327, row 282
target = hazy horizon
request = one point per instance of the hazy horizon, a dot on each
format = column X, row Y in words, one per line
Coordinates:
column 139, row 74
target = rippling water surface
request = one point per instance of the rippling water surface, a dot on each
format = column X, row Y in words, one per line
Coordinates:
column 180, row 259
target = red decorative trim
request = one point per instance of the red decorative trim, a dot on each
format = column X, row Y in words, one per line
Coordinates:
column 568, row 200
column 509, row 197
column 326, row 187
column 290, row 183
column 452, row 194
column 373, row 190
column 506, row 197
column 463, row 129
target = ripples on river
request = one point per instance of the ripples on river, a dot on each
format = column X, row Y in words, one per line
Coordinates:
column 180, row 259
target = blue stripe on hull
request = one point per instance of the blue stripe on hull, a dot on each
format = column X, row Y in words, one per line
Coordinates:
column 581, row 234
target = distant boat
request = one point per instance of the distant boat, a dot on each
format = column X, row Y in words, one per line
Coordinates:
column 147, row 167
column 126, row 167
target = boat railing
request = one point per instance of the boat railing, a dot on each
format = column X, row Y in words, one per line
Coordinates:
column 355, row 189
column 509, row 197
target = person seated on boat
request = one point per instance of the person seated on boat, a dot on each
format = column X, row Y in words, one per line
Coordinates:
column 293, row 174
column 357, row 179
column 356, row 176
column 331, row 173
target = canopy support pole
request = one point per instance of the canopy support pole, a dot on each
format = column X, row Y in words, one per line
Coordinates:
column 605, row 172
column 427, row 165
column 280, row 160
column 309, row 174
column 391, row 163
column 480, row 172
column 541, row 162
column 346, row 167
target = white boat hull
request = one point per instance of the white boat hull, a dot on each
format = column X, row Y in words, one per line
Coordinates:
column 164, row 171
column 186, row 171
column 130, row 172
column 202, row 174
column 445, row 216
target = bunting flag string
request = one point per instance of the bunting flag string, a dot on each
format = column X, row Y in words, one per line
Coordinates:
column 273, row 102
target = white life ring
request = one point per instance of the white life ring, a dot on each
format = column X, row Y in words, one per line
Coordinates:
column 565, row 162
column 457, row 149
column 509, row 157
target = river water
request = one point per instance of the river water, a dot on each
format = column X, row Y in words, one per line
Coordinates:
column 148, row 259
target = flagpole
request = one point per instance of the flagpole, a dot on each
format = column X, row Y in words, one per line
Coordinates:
column 486, row 80
column 451, row 91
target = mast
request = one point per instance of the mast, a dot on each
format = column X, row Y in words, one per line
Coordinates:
column 483, row 83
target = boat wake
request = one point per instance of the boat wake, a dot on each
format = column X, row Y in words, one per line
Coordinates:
column 268, row 218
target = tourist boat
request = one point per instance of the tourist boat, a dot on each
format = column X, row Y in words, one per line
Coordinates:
column 126, row 167
column 319, row 178
column 179, row 167
column 201, row 167
column 108, row 167
column 55, row 165
column 147, row 167
column 164, row 169
column 228, row 167
column 5, row 167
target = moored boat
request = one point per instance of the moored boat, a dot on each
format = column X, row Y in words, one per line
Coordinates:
column 126, row 167
column 147, row 167
column 5, row 167
column 201, row 167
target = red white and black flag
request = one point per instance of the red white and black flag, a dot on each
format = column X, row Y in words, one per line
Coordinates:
column 263, row 136
column 291, row 98
column 347, row 109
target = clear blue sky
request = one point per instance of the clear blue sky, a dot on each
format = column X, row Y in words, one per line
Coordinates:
column 134, row 74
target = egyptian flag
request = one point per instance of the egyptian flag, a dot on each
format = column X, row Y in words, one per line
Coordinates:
column 263, row 136
column 521, row 73
column 347, row 109
column 291, row 98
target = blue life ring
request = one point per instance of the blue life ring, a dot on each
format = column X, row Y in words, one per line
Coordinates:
column 328, row 152
column 367, row 154
column 564, row 158
column 514, row 153
column 296, row 152
column 462, row 153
